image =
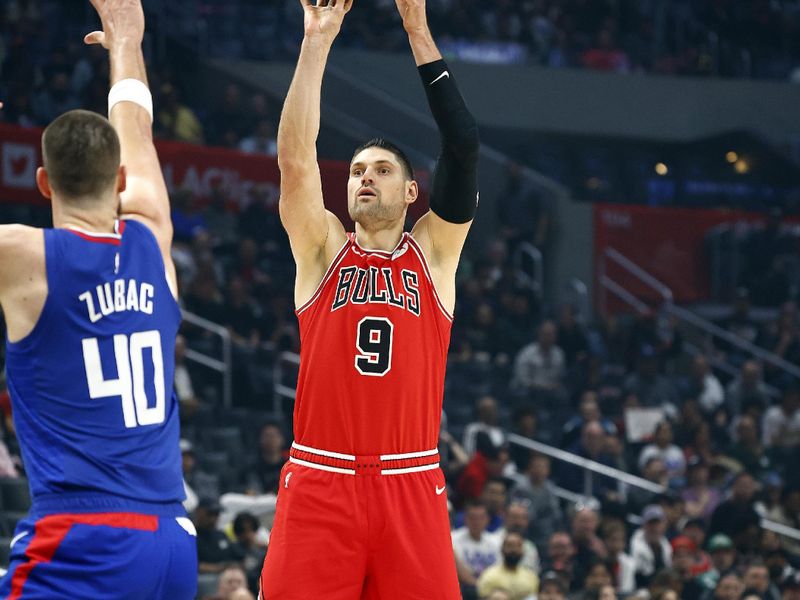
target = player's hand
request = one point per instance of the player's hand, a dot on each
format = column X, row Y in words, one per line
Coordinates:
column 324, row 17
column 123, row 22
column 413, row 14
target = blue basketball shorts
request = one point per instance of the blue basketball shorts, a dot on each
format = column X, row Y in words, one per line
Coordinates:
column 113, row 555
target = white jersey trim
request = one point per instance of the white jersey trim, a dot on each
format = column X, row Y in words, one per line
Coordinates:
column 386, row 252
column 318, row 292
column 327, row 453
column 311, row 465
column 108, row 236
column 421, row 255
column 409, row 455
column 430, row 467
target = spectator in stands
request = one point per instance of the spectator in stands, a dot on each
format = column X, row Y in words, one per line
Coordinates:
column 539, row 492
column 219, row 216
column 654, row 471
column 540, row 366
column 623, row 567
column 487, row 421
column 183, row 382
column 525, row 424
column 588, row 411
column 473, row 545
column 588, row 545
column 685, row 564
column 701, row 498
column 790, row 586
column 723, row 560
column 214, row 550
column 592, row 445
column 747, row 448
column 230, row 121
column 781, row 425
column 756, row 580
column 604, row 55
column 788, row 513
column 748, row 387
column 248, row 547
column 523, row 215
column 560, row 556
column 572, row 337
column 740, row 323
column 700, row 446
column 552, row 587
column 730, row 587
column 650, row 549
column 262, row 140
column 176, row 121
column 736, row 517
column 704, row 385
column 196, row 482
column 54, row 99
column 489, row 461
column 187, row 220
column 598, row 576
column 650, row 387
column 231, row 579
column 508, row 574
column 517, row 520
column 663, row 448
column 262, row 474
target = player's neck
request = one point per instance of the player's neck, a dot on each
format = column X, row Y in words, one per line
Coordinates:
column 98, row 219
column 379, row 239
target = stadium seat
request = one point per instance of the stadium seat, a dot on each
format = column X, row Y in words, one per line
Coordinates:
column 226, row 439
column 207, row 584
column 215, row 463
column 15, row 494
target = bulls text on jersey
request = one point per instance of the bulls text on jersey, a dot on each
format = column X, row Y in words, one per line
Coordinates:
column 377, row 286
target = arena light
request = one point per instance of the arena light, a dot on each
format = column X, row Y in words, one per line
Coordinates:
column 742, row 166
column 732, row 157
column 662, row 169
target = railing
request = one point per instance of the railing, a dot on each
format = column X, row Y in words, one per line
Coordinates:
column 281, row 390
column 591, row 467
column 685, row 316
column 529, row 268
column 223, row 366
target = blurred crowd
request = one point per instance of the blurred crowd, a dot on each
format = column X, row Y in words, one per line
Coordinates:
column 44, row 73
column 731, row 38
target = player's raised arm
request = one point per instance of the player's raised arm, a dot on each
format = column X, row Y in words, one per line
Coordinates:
column 454, row 190
column 315, row 235
column 131, row 113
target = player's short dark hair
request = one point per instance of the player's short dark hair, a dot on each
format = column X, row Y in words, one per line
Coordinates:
column 408, row 170
column 81, row 154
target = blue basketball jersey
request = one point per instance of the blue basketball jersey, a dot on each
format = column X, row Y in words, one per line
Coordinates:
column 92, row 385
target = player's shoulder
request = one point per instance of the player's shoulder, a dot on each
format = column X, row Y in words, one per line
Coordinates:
column 19, row 239
column 20, row 247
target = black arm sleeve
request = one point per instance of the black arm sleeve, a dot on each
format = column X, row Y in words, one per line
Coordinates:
column 454, row 191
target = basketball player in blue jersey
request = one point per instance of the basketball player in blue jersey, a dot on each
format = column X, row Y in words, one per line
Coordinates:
column 91, row 314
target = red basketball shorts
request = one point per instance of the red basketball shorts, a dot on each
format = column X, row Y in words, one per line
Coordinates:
column 360, row 528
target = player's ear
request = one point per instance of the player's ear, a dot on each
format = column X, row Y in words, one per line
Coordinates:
column 43, row 183
column 412, row 192
column 122, row 179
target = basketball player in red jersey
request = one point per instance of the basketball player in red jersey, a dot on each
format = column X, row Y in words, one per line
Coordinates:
column 361, row 511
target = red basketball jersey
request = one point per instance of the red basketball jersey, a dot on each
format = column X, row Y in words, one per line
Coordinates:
column 374, row 340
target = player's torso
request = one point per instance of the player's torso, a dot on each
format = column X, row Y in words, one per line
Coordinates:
column 91, row 385
column 374, row 342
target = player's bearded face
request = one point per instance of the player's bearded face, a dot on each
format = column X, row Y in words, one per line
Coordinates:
column 376, row 190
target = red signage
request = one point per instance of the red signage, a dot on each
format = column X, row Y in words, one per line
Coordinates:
column 668, row 243
column 196, row 168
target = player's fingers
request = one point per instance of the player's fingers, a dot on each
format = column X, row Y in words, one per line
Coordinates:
column 98, row 4
column 348, row 4
column 96, row 37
